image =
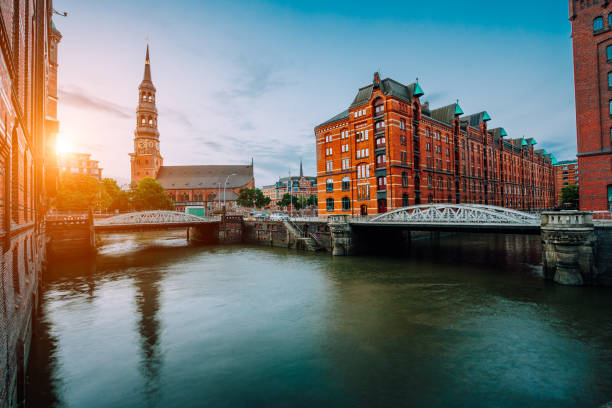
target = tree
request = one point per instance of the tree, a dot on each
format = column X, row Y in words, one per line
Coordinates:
column 312, row 201
column 252, row 197
column 79, row 192
column 150, row 195
column 569, row 195
column 292, row 200
column 119, row 199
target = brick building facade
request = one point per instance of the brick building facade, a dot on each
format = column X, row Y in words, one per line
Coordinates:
column 202, row 186
column 390, row 150
column 566, row 173
column 592, row 44
column 28, row 175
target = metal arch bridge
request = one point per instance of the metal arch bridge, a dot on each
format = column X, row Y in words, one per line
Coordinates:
column 451, row 217
column 151, row 220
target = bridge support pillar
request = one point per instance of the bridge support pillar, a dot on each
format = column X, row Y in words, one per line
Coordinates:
column 341, row 235
column 204, row 234
column 568, row 240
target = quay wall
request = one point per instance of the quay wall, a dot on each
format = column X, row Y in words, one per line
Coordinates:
column 603, row 254
column 275, row 234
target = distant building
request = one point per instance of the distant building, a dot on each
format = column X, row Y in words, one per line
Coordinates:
column 80, row 163
column 592, row 43
column 566, row 173
column 299, row 186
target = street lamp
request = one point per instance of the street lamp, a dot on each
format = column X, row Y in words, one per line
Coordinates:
column 225, row 185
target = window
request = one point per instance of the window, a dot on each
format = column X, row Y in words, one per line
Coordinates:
column 379, row 108
column 609, row 80
column 402, row 124
column 346, row 204
column 345, row 164
column 609, row 20
column 404, row 179
column 329, row 185
column 598, row 24
column 329, row 204
column 328, row 166
column 404, row 157
column 405, row 200
column 346, row 184
column 328, row 151
column 610, row 197
column 610, row 103
column 609, row 53
column 382, row 183
column 363, row 171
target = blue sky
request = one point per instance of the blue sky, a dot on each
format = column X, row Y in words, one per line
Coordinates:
column 244, row 79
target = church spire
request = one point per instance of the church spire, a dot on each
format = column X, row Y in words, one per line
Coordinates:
column 147, row 70
column 301, row 169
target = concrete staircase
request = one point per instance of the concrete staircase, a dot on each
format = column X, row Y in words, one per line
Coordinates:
column 301, row 241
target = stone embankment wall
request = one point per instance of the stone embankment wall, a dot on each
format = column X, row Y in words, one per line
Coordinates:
column 71, row 237
column 603, row 254
column 274, row 233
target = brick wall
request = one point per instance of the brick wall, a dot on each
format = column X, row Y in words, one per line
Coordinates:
column 593, row 96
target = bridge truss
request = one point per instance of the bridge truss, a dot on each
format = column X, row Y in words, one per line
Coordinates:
column 470, row 214
column 158, row 217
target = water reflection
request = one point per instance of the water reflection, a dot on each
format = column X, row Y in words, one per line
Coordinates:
column 147, row 301
column 464, row 321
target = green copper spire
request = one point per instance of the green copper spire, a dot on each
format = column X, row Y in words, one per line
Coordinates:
column 485, row 116
column 417, row 89
column 524, row 142
column 533, row 142
column 458, row 110
column 503, row 132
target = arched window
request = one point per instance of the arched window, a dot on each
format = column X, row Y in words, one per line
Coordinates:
column 329, row 204
column 143, row 120
column 346, row 204
column 598, row 24
column 346, row 184
column 329, row 185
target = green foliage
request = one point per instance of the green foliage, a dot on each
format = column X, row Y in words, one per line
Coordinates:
column 569, row 195
column 119, row 199
column 150, row 195
column 79, row 192
column 252, row 197
column 297, row 202
column 312, row 201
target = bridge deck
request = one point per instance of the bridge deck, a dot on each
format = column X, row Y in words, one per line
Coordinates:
column 454, row 227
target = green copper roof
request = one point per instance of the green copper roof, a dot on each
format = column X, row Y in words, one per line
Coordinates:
column 503, row 132
column 458, row 110
column 417, row 90
column 486, row 116
column 545, row 152
column 524, row 142
column 533, row 142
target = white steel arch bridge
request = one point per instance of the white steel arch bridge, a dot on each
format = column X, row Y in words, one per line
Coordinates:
column 456, row 217
column 151, row 220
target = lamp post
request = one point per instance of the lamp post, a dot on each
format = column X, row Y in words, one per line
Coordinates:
column 225, row 185
column 219, row 196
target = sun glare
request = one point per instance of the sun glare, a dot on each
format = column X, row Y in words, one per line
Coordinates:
column 62, row 144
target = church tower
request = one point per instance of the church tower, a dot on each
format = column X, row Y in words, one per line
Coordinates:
column 146, row 159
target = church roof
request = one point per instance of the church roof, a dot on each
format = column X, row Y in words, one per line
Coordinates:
column 204, row 176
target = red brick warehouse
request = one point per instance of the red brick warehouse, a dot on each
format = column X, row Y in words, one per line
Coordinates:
column 592, row 41
column 389, row 150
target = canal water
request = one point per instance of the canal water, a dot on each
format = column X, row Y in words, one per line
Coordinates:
column 465, row 320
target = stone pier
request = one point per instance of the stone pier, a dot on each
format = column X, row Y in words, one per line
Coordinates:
column 341, row 237
column 568, row 242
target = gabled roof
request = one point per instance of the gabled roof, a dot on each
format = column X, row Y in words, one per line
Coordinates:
column 388, row 87
column 206, row 176
column 498, row 132
column 445, row 114
column 340, row 116
column 476, row 119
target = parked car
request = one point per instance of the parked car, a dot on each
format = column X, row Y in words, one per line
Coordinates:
column 278, row 217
